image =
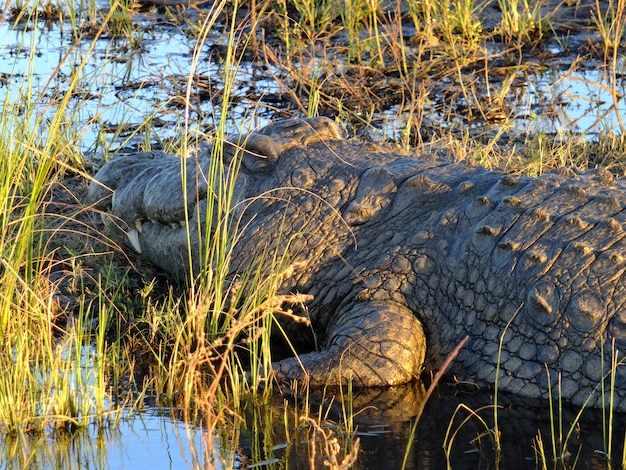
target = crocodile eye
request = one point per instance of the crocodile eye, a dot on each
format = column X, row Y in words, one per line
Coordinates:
column 257, row 163
column 261, row 153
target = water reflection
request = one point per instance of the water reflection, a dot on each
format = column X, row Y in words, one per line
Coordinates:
column 153, row 439
column 550, row 101
column 65, row 451
column 120, row 89
column 456, row 430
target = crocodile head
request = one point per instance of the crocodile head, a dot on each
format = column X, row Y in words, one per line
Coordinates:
column 163, row 203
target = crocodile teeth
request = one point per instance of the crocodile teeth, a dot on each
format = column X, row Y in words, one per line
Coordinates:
column 174, row 225
column 182, row 223
column 139, row 225
column 133, row 238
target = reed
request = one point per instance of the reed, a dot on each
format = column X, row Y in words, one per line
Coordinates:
column 315, row 15
column 523, row 22
column 611, row 24
column 210, row 335
column 56, row 368
column 45, row 381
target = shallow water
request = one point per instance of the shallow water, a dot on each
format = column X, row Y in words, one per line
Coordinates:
column 120, row 90
column 127, row 88
column 156, row 439
column 145, row 440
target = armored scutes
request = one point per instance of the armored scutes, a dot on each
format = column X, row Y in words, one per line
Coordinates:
column 405, row 257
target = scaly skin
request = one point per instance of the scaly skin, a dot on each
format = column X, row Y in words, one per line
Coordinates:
column 404, row 257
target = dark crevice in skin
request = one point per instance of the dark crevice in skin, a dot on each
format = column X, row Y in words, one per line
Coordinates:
column 413, row 255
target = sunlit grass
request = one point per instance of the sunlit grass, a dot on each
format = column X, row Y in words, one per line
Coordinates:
column 56, row 369
column 204, row 340
column 524, row 21
column 51, row 375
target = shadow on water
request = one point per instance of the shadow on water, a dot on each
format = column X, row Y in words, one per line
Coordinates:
column 276, row 435
column 457, row 430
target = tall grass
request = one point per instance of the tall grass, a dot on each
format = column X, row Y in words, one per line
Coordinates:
column 55, row 369
column 203, row 336
column 45, row 380
column 611, row 24
column 523, row 21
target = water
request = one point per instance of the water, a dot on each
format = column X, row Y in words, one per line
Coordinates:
column 121, row 88
column 146, row 440
column 551, row 101
column 561, row 101
column 156, row 439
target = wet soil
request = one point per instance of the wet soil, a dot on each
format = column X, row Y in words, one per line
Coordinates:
column 553, row 82
column 414, row 88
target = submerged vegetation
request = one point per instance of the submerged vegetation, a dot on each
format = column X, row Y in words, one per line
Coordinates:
column 89, row 330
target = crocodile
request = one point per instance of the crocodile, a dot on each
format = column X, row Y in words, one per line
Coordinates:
column 405, row 256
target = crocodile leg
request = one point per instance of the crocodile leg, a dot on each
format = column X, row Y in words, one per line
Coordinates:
column 371, row 344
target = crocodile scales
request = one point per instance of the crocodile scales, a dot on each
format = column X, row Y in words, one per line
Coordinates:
column 406, row 256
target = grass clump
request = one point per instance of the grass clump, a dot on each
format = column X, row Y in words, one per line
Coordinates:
column 47, row 381
column 57, row 363
column 523, row 22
